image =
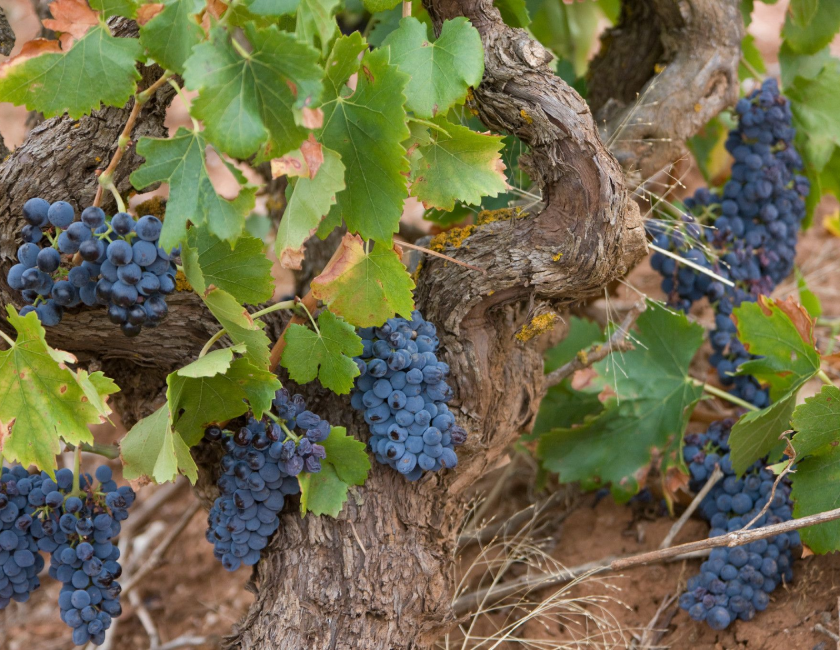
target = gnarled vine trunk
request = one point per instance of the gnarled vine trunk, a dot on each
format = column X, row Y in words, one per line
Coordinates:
column 381, row 575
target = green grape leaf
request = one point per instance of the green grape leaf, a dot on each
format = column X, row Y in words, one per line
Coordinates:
column 315, row 23
column 455, row 163
column 239, row 325
column 253, row 104
column 127, row 8
column 170, row 36
column 366, row 288
column 808, row 298
column 273, row 8
column 98, row 69
column 654, row 398
column 802, row 12
column 781, row 333
column 795, row 65
column 244, row 272
column 514, row 12
column 180, row 161
column 440, row 71
column 346, row 464
column 310, row 201
column 216, row 390
column 758, row 433
column 816, row 483
column 41, row 400
column 375, row 6
column 325, row 354
column 813, row 102
column 818, row 32
column 152, row 451
column 367, row 127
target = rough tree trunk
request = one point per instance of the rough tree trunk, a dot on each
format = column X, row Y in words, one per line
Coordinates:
column 381, row 575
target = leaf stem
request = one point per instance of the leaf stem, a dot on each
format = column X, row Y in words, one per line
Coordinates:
column 825, row 378
column 106, row 178
column 431, row 125
column 107, row 451
column 311, row 320
column 286, row 304
column 77, row 470
column 7, row 339
column 212, row 342
column 722, row 394
column 283, row 426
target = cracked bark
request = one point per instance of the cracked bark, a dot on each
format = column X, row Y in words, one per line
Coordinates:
column 381, row 575
column 648, row 115
column 7, row 34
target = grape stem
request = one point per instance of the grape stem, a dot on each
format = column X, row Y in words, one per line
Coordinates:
column 722, row 394
column 106, row 451
column 283, row 426
column 415, row 247
column 825, row 378
column 77, row 470
column 286, row 304
column 311, row 303
column 7, row 339
column 106, row 178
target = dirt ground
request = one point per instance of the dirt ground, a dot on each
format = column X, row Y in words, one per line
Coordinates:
column 190, row 598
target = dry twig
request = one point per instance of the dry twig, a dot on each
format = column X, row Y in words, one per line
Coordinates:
column 598, row 352
column 677, row 527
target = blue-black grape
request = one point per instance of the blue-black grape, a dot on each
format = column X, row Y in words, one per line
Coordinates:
column 402, row 391
column 258, row 471
column 736, row 582
column 122, row 269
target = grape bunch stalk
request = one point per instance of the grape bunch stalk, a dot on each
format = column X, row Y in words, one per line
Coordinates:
column 114, row 262
column 258, row 471
column 402, row 391
column 75, row 524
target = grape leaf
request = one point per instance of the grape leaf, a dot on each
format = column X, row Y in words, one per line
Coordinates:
column 346, row 464
column 514, row 12
column 170, row 36
column 72, row 19
column 244, row 272
column 325, row 354
column 654, row 398
column 272, row 8
column 153, row 451
column 374, row 6
column 211, row 391
column 441, row 72
column 315, row 23
column 802, row 12
column 819, row 30
column 127, row 8
column 801, row 65
column 808, row 298
column 367, row 128
column 813, row 102
column 252, row 103
column 98, row 69
column 816, row 483
column 455, row 164
column 786, row 346
column 310, row 201
column 180, row 161
column 757, row 433
column 238, row 324
column 366, row 288
column 41, row 400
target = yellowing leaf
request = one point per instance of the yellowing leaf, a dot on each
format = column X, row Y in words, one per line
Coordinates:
column 42, row 401
column 366, row 288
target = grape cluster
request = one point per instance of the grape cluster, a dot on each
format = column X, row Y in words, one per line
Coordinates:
column 258, row 471
column 114, row 262
column 76, row 529
column 402, row 391
column 752, row 225
column 736, row 582
column 20, row 562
